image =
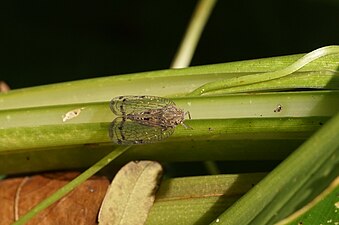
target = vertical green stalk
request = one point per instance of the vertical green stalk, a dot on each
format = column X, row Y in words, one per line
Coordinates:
column 193, row 33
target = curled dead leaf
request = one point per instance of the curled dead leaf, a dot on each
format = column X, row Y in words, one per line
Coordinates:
column 131, row 194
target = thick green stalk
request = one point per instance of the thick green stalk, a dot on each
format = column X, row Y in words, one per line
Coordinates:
column 262, row 204
column 170, row 83
column 268, row 76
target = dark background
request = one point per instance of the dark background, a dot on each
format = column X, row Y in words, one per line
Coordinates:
column 46, row 42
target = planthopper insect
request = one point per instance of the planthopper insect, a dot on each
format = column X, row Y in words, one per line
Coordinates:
column 144, row 119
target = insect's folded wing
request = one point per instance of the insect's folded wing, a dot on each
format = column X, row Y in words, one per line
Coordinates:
column 128, row 132
column 124, row 105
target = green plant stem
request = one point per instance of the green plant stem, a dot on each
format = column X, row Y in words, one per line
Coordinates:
column 43, row 126
column 167, row 83
column 328, row 80
column 34, row 139
column 256, row 78
column 262, row 203
column 193, row 33
column 178, row 203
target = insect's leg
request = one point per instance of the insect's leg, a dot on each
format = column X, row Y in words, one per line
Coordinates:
column 189, row 115
column 186, row 126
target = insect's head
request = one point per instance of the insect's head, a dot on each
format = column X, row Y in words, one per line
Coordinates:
column 173, row 116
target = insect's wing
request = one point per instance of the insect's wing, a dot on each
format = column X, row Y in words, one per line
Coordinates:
column 129, row 132
column 124, row 105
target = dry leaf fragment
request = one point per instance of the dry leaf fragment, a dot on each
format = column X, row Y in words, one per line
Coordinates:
column 131, row 194
column 79, row 207
column 71, row 114
column 4, row 87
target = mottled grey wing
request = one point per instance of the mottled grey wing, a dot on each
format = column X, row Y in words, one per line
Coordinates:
column 128, row 132
column 124, row 105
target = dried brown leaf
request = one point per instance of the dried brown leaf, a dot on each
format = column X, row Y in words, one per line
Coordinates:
column 4, row 87
column 80, row 207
